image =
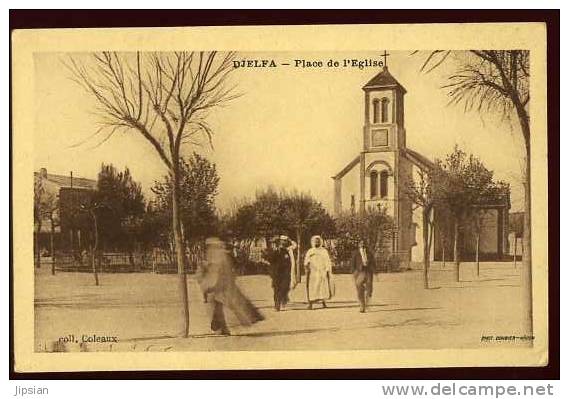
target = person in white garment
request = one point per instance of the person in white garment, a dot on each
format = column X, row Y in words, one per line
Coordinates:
column 318, row 266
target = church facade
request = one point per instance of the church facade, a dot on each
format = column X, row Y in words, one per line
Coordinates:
column 380, row 172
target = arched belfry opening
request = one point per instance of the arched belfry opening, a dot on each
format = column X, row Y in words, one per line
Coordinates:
column 376, row 111
column 383, row 180
column 373, row 178
column 384, row 110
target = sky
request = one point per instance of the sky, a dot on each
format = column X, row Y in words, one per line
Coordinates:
column 291, row 128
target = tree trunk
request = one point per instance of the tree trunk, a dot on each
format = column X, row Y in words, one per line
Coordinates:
column 426, row 248
column 515, row 250
column 298, row 252
column 456, row 259
column 94, row 266
column 527, row 295
column 478, row 253
column 179, row 249
column 38, row 254
column 444, row 250
column 52, row 247
column 131, row 260
column 94, row 249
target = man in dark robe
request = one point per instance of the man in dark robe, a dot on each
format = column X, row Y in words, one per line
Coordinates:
column 363, row 268
column 280, row 262
column 218, row 285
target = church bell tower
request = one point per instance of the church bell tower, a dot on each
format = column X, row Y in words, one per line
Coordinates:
column 384, row 168
column 384, row 113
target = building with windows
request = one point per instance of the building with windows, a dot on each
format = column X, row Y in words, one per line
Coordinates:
column 72, row 228
column 378, row 175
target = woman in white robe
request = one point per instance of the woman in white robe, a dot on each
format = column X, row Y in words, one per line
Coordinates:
column 318, row 273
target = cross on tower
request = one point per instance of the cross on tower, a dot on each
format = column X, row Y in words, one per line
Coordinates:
column 384, row 55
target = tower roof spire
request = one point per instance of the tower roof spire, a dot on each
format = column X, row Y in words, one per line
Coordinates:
column 384, row 55
column 384, row 79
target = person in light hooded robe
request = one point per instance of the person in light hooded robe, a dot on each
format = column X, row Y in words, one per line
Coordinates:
column 217, row 282
column 318, row 267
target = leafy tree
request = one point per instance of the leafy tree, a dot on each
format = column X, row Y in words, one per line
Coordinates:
column 463, row 184
column 241, row 230
column 122, row 201
column 298, row 215
column 243, row 224
column 271, row 213
column 455, row 196
column 374, row 226
column 153, row 228
column 198, row 188
column 303, row 217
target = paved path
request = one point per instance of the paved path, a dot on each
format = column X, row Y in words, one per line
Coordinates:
column 142, row 311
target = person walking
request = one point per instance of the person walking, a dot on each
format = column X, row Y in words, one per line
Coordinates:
column 318, row 268
column 217, row 282
column 281, row 261
column 363, row 268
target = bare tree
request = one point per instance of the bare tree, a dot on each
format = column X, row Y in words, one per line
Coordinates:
column 91, row 208
column 39, row 192
column 421, row 193
column 166, row 99
column 443, row 234
column 45, row 206
column 477, row 223
column 53, row 215
column 497, row 80
column 517, row 229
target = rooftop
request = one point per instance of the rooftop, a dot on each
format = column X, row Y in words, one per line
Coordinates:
column 383, row 79
column 66, row 181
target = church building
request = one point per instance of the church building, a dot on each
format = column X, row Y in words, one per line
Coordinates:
column 378, row 175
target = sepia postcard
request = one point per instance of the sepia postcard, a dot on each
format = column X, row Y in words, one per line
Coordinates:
column 280, row 197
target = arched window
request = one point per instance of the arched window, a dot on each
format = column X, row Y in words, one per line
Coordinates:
column 383, row 176
column 373, row 184
column 384, row 110
column 376, row 110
